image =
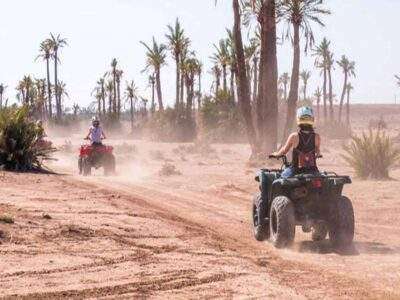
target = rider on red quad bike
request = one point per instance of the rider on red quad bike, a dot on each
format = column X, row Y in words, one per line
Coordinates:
column 96, row 154
column 96, row 133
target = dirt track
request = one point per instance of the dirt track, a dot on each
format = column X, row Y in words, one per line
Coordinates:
column 184, row 236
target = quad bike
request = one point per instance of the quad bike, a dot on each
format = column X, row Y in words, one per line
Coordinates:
column 313, row 201
column 96, row 156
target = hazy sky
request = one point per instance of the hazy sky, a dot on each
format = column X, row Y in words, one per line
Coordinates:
column 98, row 30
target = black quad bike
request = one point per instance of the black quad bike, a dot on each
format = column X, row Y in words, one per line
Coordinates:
column 312, row 201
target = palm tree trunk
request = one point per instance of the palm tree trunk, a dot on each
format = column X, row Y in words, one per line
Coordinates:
column 305, row 91
column 110, row 102
column 159, row 91
column 49, row 88
column 243, row 89
column 294, row 83
column 178, row 76
column 153, row 104
column 318, row 109
column 255, row 78
column 199, row 94
column 268, row 80
column 342, row 97
column 119, row 98
column 285, row 90
column 217, row 83
column 131, row 113
column 224, row 76
column 325, row 96
column 58, row 109
column 114, row 91
column 348, row 109
column 182, row 87
column 331, row 118
column 232, row 86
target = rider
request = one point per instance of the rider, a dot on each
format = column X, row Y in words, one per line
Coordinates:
column 96, row 133
column 306, row 145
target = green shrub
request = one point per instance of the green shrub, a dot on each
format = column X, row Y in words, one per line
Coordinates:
column 19, row 147
column 371, row 155
column 221, row 120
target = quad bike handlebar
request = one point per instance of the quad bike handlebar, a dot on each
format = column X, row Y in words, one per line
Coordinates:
column 285, row 160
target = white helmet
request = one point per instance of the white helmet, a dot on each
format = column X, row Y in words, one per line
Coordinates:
column 95, row 120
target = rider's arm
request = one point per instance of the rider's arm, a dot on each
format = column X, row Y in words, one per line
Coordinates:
column 289, row 145
column 317, row 145
column 88, row 135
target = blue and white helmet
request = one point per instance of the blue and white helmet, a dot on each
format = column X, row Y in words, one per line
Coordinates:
column 305, row 116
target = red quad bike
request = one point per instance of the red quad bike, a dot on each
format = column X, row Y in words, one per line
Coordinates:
column 96, row 156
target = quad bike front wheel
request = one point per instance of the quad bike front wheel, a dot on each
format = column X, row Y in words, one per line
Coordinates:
column 341, row 231
column 260, row 228
column 282, row 222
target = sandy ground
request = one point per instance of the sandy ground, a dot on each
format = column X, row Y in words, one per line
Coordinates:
column 140, row 234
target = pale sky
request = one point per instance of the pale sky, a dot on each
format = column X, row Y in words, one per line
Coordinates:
column 98, row 30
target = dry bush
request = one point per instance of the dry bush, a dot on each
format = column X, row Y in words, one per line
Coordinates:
column 169, row 170
column 371, row 155
column 7, row 219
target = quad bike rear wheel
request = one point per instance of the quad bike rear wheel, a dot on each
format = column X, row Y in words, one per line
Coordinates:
column 109, row 165
column 282, row 222
column 341, row 231
column 86, row 167
column 260, row 227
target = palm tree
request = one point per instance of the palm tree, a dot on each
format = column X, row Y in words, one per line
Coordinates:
column 102, row 92
column 305, row 77
column 348, row 68
column 2, row 89
column 25, row 90
column 40, row 101
column 318, row 95
column 152, row 83
column 131, row 95
column 349, row 88
column 330, row 66
column 46, row 54
column 114, row 64
column 199, row 71
column 110, row 91
column 222, row 57
column 299, row 14
column 156, row 56
column 322, row 52
column 177, row 42
column 216, row 71
column 60, row 91
column 118, row 76
column 56, row 43
column 243, row 88
column 284, row 80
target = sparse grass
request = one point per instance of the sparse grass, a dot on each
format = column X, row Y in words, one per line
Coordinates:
column 6, row 219
column 372, row 155
column 169, row 170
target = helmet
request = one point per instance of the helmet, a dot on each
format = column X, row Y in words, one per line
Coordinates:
column 305, row 116
column 95, row 121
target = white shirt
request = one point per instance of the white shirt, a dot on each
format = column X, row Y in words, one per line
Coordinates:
column 95, row 134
